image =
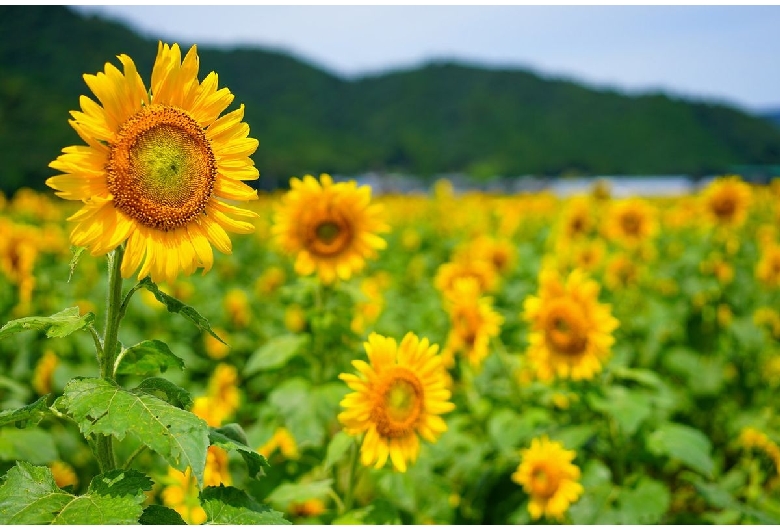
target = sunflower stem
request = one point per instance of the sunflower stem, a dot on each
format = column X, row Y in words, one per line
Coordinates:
column 104, row 445
column 349, row 494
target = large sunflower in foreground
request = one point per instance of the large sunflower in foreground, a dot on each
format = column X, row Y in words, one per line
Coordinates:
column 571, row 332
column 399, row 394
column 330, row 228
column 727, row 200
column 548, row 475
column 158, row 167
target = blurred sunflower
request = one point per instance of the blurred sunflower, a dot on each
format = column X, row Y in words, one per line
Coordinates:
column 621, row 272
column 399, row 394
column 329, row 228
column 768, row 267
column 571, row 332
column 548, row 475
column 577, row 219
column 500, row 253
column 727, row 200
column 284, row 441
column 466, row 267
column 474, row 322
column 157, row 167
column 631, row 222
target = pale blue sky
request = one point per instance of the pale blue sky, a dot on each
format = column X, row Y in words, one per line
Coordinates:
column 728, row 54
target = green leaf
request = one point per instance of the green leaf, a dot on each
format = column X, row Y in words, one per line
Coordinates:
column 101, row 407
column 640, row 375
column 378, row 512
column 77, row 252
column 121, row 483
column 155, row 514
column 686, row 444
column 165, row 390
column 232, row 437
column 646, row 503
column 505, row 429
column 147, row 358
column 337, row 448
column 286, row 494
column 30, row 496
column 33, row 412
column 628, row 408
column 275, row 353
column 594, row 503
column 229, row 505
column 174, row 305
column 575, row 436
column 59, row 324
column 718, row 497
column 33, row 445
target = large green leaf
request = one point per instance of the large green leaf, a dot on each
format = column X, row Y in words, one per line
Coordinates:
column 686, row 444
column 32, row 413
column 232, row 437
column 275, row 353
column 174, row 305
column 102, row 407
column 229, row 505
column 30, row 496
column 59, row 324
column 148, row 358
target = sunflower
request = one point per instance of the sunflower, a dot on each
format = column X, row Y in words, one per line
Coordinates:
column 500, row 253
column 329, row 228
column 399, row 394
column 768, row 267
column 571, row 332
column 631, row 222
column 621, row 272
column 577, row 218
column 548, row 475
column 466, row 267
column 158, row 167
column 727, row 200
column 474, row 322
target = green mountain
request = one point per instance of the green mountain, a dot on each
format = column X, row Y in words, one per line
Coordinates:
column 440, row 118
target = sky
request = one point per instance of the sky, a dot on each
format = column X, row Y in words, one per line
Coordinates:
column 725, row 54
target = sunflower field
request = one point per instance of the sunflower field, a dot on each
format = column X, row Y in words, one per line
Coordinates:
column 348, row 358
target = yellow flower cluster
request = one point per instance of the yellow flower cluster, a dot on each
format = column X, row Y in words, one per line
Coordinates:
column 751, row 438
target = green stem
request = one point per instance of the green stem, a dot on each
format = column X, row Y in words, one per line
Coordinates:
column 349, row 494
column 506, row 364
column 113, row 307
column 104, row 445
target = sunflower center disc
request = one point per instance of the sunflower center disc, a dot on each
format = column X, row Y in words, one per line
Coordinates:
column 631, row 223
column 331, row 236
column 566, row 329
column 544, row 481
column 399, row 404
column 161, row 170
column 724, row 206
